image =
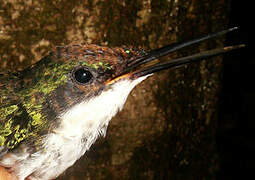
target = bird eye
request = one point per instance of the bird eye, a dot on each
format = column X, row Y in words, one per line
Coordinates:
column 82, row 75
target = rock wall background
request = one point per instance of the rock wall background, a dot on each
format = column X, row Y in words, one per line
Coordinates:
column 167, row 128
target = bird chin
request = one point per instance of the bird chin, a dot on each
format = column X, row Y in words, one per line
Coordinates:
column 89, row 117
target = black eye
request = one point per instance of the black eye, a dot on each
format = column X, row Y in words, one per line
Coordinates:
column 82, row 75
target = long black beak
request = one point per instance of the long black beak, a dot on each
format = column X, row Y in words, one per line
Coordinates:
column 138, row 70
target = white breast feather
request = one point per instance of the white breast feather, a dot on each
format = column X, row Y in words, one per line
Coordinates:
column 90, row 118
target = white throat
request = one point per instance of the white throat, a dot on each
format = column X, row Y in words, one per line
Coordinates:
column 90, row 118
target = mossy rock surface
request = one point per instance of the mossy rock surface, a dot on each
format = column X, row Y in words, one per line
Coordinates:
column 167, row 128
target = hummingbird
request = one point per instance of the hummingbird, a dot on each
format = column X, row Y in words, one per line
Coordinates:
column 53, row 111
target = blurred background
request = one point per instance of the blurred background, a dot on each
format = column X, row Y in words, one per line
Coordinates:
column 194, row 122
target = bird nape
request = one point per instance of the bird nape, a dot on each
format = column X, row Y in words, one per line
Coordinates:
column 53, row 111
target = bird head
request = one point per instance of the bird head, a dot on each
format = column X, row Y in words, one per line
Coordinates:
column 77, row 89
